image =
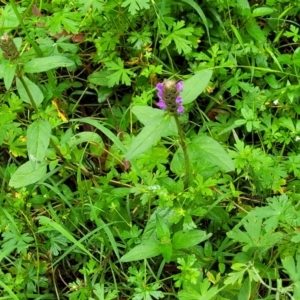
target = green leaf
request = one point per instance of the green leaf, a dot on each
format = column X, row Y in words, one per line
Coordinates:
column 63, row 19
column 178, row 35
column 146, row 114
column 150, row 230
column 34, row 90
column 8, row 17
column 104, row 130
column 8, row 290
column 245, row 291
column 119, row 73
column 289, row 264
column 99, row 78
column 46, row 222
column 200, row 12
column 183, row 240
column 188, row 295
column 166, row 251
column 162, row 229
column 38, row 138
column 136, row 5
column 38, row 65
column 9, row 74
column 86, row 137
column 103, row 93
column 243, row 7
column 148, row 136
column 262, row 11
column 96, row 5
column 145, row 250
column 195, row 85
column 296, row 57
column 297, row 290
column 254, row 30
column 27, row 174
column 209, row 149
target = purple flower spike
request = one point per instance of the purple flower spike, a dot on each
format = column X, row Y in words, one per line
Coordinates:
column 180, row 109
column 179, row 86
column 178, row 100
column 162, row 104
column 160, row 87
column 160, row 95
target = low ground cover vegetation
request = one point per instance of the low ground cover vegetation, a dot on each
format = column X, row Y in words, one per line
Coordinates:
column 149, row 149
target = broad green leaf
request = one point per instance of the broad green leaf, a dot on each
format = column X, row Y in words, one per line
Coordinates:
column 99, row 78
column 272, row 81
column 296, row 57
column 9, row 74
column 86, row 137
column 286, row 58
column 146, row 114
column 38, row 65
column 162, row 228
column 27, row 174
column 34, row 90
column 38, row 138
column 188, row 295
column 166, row 251
column 245, row 291
column 254, row 30
column 262, row 11
column 296, row 238
column 209, row 149
column 150, row 230
column 243, row 7
column 195, row 85
column 297, row 290
column 148, row 136
column 290, row 266
column 8, row 17
column 145, row 250
column 183, row 240
column 103, row 93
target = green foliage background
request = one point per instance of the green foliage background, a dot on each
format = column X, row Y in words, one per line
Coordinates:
column 104, row 196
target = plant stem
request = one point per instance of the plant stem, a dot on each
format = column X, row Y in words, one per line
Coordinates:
column 34, row 45
column 185, row 154
column 33, row 104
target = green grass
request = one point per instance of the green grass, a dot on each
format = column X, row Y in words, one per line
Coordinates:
column 105, row 196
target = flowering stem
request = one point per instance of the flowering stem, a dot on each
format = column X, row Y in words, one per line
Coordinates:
column 185, row 154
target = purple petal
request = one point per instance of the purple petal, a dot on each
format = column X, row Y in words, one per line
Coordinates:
column 160, row 95
column 161, row 104
column 180, row 109
column 178, row 100
column 179, row 86
column 160, row 86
